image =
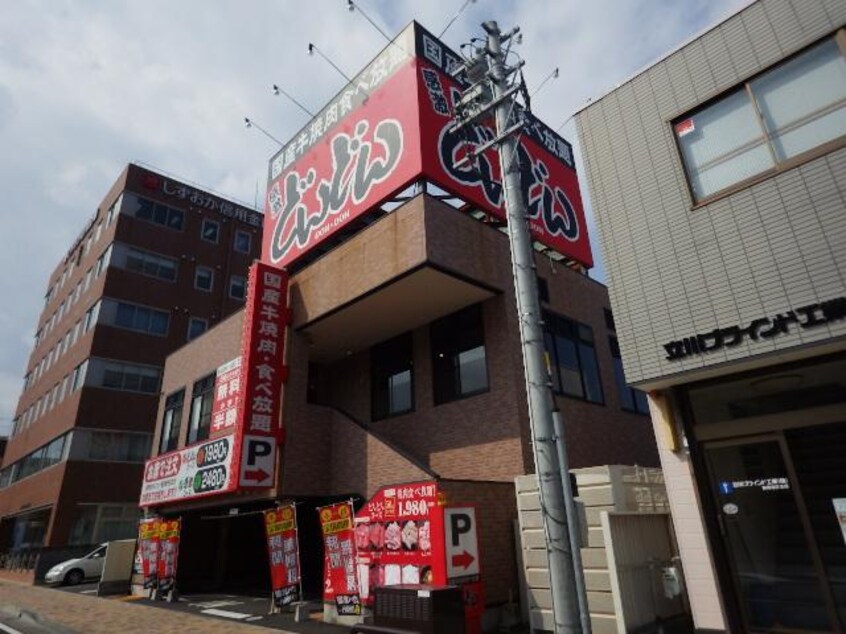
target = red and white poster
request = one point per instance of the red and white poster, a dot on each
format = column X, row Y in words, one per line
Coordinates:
column 148, row 547
column 399, row 537
column 340, row 582
column 390, row 127
column 263, row 371
column 280, row 528
column 168, row 553
column 227, row 398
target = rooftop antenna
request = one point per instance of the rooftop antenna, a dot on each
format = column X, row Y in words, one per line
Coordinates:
column 279, row 91
column 249, row 123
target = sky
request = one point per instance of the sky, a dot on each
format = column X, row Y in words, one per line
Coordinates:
column 87, row 86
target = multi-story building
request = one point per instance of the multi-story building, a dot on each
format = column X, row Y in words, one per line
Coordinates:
column 718, row 175
column 159, row 263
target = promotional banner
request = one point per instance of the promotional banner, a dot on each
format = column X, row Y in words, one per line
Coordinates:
column 227, row 398
column 554, row 203
column 280, row 527
column 399, row 538
column 148, row 548
column 204, row 469
column 168, row 553
column 339, row 565
column 263, row 371
column 391, row 126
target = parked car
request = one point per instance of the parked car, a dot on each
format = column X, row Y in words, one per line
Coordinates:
column 75, row 571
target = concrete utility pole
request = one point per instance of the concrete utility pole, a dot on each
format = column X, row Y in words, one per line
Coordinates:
column 548, row 446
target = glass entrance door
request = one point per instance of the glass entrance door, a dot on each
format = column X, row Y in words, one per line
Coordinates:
column 778, row 574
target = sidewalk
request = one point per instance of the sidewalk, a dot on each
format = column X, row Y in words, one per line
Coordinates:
column 85, row 613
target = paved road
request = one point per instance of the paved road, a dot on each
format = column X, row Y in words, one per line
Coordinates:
column 78, row 612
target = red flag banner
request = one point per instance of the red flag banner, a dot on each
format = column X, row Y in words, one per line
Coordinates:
column 148, row 546
column 168, row 553
column 280, row 527
column 340, row 581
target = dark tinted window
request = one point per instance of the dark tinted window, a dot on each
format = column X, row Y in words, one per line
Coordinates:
column 459, row 363
column 573, row 368
column 392, row 378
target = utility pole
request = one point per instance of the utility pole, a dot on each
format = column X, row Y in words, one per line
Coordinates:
column 490, row 90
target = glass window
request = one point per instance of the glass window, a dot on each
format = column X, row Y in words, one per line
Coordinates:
column 203, row 278
column 79, row 373
column 237, row 287
column 459, row 363
column 171, row 422
column 572, row 363
column 210, row 231
column 196, row 327
column 150, row 264
column 631, row 399
column 137, row 318
column 243, row 241
column 150, row 211
column 125, row 376
column 783, row 113
column 201, row 406
column 391, row 377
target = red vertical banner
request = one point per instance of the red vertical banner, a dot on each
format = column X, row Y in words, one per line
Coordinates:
column 399, row 538
column 280, row 527
column 227, row 398
column 168, row 553
column 148, row 547
column 340, row 580
column 262, row 373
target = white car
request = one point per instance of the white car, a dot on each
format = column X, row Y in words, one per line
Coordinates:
column 75, row 571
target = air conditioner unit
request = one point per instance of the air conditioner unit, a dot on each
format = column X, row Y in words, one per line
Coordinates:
column 419, row 608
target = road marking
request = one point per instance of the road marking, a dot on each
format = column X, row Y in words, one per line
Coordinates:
column 9, row 630
column 226, row 614
column 254, row 618
column 87, row 591
column 214, row 604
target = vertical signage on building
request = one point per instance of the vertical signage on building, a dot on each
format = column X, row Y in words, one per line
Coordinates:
column 148, row 547
column 280, row 527
column 227, row 392
column 399, row 538
column 339, row 562
column 168, row 553
column 262, row 373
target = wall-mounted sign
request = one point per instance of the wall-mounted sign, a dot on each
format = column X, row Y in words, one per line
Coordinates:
column 389, row 127
column 280, row 528
column 204, row 469
column 761, row 329
column 227, row 397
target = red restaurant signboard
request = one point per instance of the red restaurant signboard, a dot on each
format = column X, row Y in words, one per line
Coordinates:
column 227, row 398
column 390, row 127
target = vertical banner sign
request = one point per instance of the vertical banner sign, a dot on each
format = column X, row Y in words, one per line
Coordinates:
column 262, row 373
column 280, row 527
column 463, row 562
column 168, row 553
column 227, row 389
column 339, row 566
column 399, row 538
column 148, row 547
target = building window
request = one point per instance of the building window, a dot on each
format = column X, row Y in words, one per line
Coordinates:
column 572, row 358
column 128, row 377
column 156, row 213
column 237, row 287
column 132, row 317
column 79, row 374
column 631, row 399
column 196, row 327
column 243, row 241
column 204, row 278
column 112, row 446
column 172, row 422
column 210, row 231
column 150, row 264
column 391, row 377
column 201, row 407
column 766, row 124
column 459, row 365
column 91, row 316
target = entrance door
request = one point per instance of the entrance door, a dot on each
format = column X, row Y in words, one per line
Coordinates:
column 779, row 577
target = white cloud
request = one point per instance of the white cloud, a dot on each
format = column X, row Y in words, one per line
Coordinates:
column 87, row 86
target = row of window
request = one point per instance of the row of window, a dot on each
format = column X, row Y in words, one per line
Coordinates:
column 459, row 367
column 771, row 122
column 204, row 281
column 55, row 395
column 84, row 249
column 80, row 444
column 199, row 421
column 172, row 218
column 82, row 286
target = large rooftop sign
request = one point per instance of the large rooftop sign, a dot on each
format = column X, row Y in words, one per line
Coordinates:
column 390, row 127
